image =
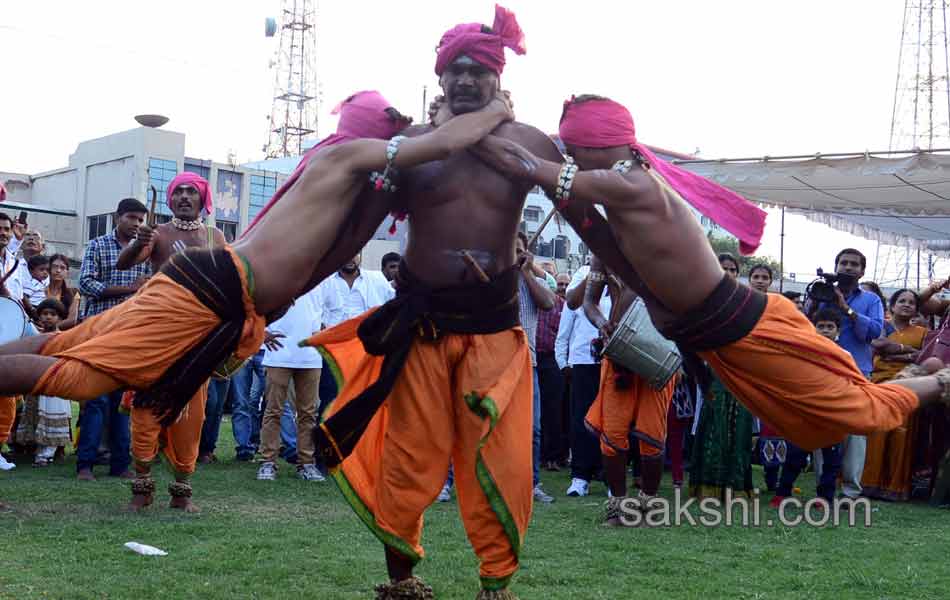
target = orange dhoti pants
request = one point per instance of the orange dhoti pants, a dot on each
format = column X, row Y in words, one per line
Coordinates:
column 7, row 416
column 178, row 442
column 134, row 343
column 803, row 384
column 615, row 409
column 464, row 398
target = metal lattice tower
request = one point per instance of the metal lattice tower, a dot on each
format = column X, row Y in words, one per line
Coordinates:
column 296, row 90
column 921, row 113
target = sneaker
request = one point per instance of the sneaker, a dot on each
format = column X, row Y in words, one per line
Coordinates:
column 307, row 473
column 579, row 487
column 541, row 496
column 267, row 472
column 445, row 495
column 6, row 465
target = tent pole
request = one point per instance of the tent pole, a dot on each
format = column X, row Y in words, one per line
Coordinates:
column 781, row 255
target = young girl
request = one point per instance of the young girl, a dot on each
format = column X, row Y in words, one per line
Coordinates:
column 53, row 423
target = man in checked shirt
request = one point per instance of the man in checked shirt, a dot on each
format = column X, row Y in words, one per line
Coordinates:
column 103, row 286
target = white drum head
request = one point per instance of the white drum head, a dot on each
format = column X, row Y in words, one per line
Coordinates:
column 13, row 321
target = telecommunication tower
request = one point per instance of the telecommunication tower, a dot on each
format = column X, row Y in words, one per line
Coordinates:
column 296, row 90
column 921, row 114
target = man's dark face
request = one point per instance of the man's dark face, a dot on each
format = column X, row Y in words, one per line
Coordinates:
column 352, row 266
column 850, row 264
column 562, row 282
column 128, row 223
column 32, row 244
column 6, row 231
column 468, row 85
column 186, row 203
column 390, row 269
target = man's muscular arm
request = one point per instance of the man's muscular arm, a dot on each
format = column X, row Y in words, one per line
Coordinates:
column 596, row 281
column 139, row 250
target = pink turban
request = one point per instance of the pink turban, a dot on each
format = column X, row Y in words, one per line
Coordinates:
column 605, row 124
column 3, row 193
column 362, row 115
column 198, row 181
column 486, row 49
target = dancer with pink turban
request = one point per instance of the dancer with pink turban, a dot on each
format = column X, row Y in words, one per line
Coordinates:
column 759, row 345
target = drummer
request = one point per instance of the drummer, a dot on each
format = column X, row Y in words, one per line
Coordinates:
column 624, row 398
column 189, row 196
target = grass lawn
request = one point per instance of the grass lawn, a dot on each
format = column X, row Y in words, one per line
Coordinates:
column 293, row 539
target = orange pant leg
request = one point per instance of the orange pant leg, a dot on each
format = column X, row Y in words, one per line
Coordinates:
column 653, row 407
column 181, row 438
column 612, row 412
column 75, row 380
column 803, row 384
column 7, row 416
column 146, row 435
column 492, row 461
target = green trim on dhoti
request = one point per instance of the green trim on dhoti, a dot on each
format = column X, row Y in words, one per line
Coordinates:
column 495, row 583
column 363, row 512
column 485, row 407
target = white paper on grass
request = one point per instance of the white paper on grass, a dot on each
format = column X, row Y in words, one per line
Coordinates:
column 144, row 549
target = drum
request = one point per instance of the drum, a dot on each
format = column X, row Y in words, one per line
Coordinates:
column 13, row 321
column 229, row 367
column 638, row 346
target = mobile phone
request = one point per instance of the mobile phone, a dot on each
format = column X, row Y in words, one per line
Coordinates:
column 22, row 217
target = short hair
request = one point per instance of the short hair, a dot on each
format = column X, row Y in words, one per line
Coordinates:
column 829, row 314
column 897, row 294
column 388, row 258
column 793, row 296
column 725, row 256
column 524, row 238
column 52, row 304
column 61, row 258
column 864, row 260
column 127, row 205
column 5, row 217
column 37, row 261
column 761, row 267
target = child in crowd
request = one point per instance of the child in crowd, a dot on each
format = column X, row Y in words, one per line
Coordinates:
column 53, row 425
column 34, row 290
column 828, row 324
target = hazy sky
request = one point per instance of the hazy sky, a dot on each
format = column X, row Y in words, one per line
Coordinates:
column 730, row 78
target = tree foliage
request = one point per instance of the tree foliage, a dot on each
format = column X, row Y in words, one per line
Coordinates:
column 729, row 244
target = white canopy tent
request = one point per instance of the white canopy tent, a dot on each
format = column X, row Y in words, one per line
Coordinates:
column 898, row 198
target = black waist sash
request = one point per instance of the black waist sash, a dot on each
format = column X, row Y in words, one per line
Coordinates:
column 215, row 281
column 416, row 311
column 727, row 315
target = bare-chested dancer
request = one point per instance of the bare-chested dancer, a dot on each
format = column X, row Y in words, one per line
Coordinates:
column 760, row 346
column 188, row 196
column 207, row 305
column 447, row 355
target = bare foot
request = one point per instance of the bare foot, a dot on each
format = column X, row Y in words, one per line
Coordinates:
column 139, row 502
column 183, row 503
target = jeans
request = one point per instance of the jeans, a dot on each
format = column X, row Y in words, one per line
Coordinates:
column 585, row 447
column 795, row 460
column 328, row 391
column 536, row 427
column 96, row 414
column 554, row 446
column 214, row 410
column 247, row 386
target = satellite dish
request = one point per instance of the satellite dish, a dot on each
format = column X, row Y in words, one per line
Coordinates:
column 151, row 120
column 270, row 26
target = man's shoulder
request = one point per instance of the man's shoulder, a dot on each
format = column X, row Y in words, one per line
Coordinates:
column 528, row 136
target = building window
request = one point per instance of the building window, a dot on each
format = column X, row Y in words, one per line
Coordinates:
column 532, row 214
column 229, row 228
column 263, row 188
column 160, row 174
column 98, row 226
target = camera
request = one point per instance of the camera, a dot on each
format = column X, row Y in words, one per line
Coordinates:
column 823, row 289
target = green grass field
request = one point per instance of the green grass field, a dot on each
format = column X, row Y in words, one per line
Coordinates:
column 292, row 539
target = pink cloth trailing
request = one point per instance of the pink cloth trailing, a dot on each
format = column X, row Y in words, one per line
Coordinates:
column 362, row 115
column 605, row 124
column 198, row 181
column 486, row 49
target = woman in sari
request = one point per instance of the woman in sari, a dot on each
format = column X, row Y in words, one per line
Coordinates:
column 721, row 457
column 889, row 457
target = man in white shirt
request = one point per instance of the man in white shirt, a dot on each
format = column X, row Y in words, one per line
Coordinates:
column 303, row 366
column 9, row 244
column 356, row 291
column 572, row 350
